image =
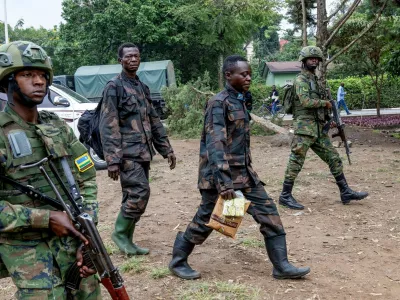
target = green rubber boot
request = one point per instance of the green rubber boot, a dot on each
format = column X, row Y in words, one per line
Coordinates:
column 139, row 250
column 122, row 236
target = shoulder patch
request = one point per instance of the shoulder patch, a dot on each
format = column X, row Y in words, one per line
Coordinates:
column 84, row 162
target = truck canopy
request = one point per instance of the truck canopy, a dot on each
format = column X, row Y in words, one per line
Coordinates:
column 91, row 80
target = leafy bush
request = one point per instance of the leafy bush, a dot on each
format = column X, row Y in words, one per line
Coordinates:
column 186, row 104
column 361, row 92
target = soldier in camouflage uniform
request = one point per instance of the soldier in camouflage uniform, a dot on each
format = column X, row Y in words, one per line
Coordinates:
column 38, row 243
column 311, row 113
column 225, row 165
column 130, row 130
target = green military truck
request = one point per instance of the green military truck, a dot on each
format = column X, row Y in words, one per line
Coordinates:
column 90, row 81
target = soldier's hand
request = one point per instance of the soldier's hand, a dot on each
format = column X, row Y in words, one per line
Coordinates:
column 113, row 171
column 171, row 160
column 61, row 225
column 85, row 271
column 333, row 124
column 228, row 194
column 328, row 105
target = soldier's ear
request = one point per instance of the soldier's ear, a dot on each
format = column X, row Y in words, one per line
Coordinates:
column 228, row 75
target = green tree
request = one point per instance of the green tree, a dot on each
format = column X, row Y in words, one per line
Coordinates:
column 367, row 55
column 226, row 25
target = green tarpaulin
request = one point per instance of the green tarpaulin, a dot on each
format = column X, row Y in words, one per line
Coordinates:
column 91, row 80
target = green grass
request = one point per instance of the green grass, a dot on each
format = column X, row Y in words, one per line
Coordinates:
column 218, row 291
column 134, row 264
column 157, row 273
column 111, row 248
column 253, row 243
column 396, row 135
column 381, row 170
column 376, row 131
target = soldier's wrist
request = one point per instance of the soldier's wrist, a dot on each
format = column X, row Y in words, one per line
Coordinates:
column 40, row 218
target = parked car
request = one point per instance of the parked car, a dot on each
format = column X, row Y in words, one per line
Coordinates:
column 69, row 105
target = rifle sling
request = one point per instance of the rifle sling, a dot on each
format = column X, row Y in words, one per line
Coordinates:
column 32, row 193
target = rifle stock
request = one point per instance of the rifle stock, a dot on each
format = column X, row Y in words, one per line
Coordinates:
column 339, row 124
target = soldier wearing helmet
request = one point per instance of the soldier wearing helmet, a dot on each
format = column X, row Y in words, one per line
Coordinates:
column 38, row 244
column 311, row 113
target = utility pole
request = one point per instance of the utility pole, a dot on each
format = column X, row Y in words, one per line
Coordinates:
column 5, row 22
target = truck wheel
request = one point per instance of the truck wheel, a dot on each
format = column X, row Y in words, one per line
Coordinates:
column 99, row 164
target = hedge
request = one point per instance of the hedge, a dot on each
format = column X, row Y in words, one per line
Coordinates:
column 361, row 92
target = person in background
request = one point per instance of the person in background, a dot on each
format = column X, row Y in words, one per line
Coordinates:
column 274, row 96
column 311, row 113
column 340, row 99
column 130, row 130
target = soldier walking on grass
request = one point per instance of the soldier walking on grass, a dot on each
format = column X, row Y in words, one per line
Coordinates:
column 311, row 113
column 130, row 130
column 225, row 165
column 38, row 244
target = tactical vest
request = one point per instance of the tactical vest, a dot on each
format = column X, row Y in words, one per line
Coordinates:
column 317, row 114
column 48, row 137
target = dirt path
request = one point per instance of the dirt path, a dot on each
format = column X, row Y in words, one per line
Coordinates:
column 352, row 250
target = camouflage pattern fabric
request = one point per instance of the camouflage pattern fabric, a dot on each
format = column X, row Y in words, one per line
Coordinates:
column 310, row 127
column 135, row 188
column 24, row 223
column 225, row 158
column 130, row 126
column 322, row 146
column 225, row 162
column 262, row 209
column 38, row 269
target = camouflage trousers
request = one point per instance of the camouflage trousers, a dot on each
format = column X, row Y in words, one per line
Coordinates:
column 262, row 209
column 38, row 269
column 322, row 146
column 135, row 188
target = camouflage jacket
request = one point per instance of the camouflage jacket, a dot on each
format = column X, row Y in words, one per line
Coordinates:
column 225, row 159
column 310, row 114
column 22, row 218
column 129, row 124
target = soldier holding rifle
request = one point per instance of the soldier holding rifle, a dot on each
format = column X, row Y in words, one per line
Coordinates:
column 312, row 120
column 38, row 244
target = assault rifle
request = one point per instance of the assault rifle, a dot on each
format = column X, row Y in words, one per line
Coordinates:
column 95, row 255
column 339, row 124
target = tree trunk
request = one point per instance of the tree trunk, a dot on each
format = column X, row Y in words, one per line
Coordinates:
column 269, row 125
column 220, row 75
column 378, row 102
column 303, row 9
column 322, row 36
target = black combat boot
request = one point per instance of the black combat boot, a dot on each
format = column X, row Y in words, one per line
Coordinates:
column 179, row 265
column 286, row 198
column 346, row 193
column 277, row 252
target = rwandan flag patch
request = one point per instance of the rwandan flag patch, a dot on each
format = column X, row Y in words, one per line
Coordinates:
column 84, row 162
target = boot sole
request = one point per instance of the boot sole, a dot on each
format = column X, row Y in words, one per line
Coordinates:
column 292, row 276
column 295, row 208
column 183, row 277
